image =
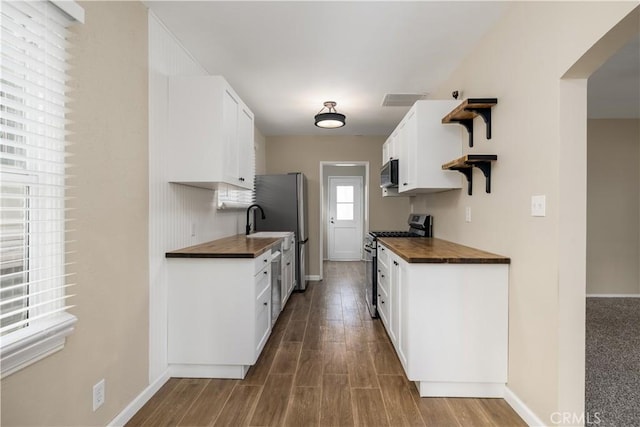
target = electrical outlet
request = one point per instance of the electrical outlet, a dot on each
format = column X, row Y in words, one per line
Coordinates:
column 467, row 214
column 98, row 394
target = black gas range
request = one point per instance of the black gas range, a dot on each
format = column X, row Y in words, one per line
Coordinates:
column 420, row 225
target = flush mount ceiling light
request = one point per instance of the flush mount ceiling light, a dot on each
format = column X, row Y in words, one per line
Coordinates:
column 331, row 119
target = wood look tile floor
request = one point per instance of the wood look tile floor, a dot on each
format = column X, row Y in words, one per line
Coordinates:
column 327, row 363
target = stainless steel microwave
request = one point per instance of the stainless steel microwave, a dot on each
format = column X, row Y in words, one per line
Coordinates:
column 389, row 174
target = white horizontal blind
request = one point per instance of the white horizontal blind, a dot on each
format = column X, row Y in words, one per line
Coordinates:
column 32, row 161
column 230, row 197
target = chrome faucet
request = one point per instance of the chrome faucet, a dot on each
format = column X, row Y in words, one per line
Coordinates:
column 255, row 205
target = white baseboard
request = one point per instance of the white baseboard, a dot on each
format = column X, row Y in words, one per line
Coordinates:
column 521, row 409
column 313, row 278
column 136, row 404
column 613, row 295
column 459, row 389
column 208, row 371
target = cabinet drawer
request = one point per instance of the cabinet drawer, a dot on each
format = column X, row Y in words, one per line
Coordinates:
column 383, row 256
column 383, row 305
column 262, row 280
column 383, row 282
column 383, row 274
column 261, row 261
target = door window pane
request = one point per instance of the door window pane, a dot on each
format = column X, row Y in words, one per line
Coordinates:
column 344, row 211
column 344, row 193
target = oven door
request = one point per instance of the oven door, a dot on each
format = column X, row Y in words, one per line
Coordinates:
column 371, row 278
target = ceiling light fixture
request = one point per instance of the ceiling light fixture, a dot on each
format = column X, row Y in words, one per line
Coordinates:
column 331, row 119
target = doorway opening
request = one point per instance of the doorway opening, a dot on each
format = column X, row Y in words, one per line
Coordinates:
column 344, row 210
column 612, row 333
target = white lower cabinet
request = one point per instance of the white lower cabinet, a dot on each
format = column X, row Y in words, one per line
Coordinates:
column 396, row 299
column 219, row 315
column 288, row 268
column 449, row 325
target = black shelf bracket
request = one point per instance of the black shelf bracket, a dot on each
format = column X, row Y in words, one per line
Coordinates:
column 485, row 113
column 465, row 166
column 468, row 173
column 468, row 125
column 469, row 109
column 486, row 170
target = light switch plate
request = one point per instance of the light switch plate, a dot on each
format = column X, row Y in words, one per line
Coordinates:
column 539, row 205
column 467, row 214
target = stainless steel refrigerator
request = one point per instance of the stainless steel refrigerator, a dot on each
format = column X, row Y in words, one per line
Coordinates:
column 284, row 201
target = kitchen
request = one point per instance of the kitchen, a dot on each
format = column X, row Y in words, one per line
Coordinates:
column 302, row 154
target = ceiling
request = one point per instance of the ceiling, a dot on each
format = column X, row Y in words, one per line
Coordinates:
column 285, row 58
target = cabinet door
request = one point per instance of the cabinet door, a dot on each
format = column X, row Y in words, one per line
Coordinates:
column 290, row 273
column 409, row 163
column 396, row 299
column 385, row 151
column 287, row 278
column 383, row 303
column 246, row 155
column 230, row 109
column 389, row 148
column 263, row 312
column 403, row 151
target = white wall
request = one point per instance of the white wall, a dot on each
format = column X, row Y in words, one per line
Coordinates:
column 613, row 207
column 173, row 209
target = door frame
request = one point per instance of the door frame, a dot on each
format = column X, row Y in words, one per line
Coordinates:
column 323, row 207
column 360, row 196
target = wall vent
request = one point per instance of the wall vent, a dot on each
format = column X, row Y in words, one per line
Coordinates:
column 402, row 99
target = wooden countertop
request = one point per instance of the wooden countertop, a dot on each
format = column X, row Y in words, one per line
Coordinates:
column 431, row 250
column 238, row 246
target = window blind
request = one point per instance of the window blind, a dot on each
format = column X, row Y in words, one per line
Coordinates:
column 229, row 197
column 33, row 279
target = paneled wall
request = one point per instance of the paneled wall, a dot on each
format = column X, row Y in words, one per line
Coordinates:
column 179, row 216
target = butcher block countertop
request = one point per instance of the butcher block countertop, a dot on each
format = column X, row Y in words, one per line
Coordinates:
column 238, row 246
column 437, row 251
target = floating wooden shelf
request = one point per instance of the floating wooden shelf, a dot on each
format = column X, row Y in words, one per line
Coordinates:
column 465, row 165
column 468, row 110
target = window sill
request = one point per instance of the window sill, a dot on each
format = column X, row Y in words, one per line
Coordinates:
column 26, row 346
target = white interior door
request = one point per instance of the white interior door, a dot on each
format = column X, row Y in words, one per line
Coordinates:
column 344, row 228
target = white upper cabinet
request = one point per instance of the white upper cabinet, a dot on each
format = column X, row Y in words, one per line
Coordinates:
column 210, row 134
column 390, row 148
column 423, row 144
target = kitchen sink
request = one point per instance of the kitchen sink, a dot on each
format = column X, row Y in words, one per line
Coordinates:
column 286, row 244
column 270, row 234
